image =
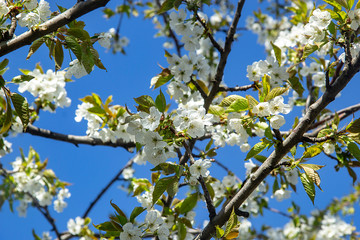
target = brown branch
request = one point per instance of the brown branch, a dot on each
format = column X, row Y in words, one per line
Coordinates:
column 129, row 146
column 210, row 36
column 43, row 210
column 224, row 55
column 343, row 113
column 102, row 192
column 314, row 139
column 237, row 89
column 208, row 200
column 78, row 10
column 202, row 93
column 294, row 138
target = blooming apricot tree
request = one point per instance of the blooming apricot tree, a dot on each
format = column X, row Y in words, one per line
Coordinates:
column 312, row 54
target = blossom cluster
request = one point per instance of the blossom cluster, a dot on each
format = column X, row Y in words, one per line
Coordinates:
column 36, row 13
column 49, row 87
column 32, row 182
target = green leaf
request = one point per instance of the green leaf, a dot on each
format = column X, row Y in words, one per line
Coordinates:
column 311, row 172
column 308, row 186
column 296, row 85
column 189, row 203
column 172, row 188
column 256, row 149
column 118, row 210
column 252, row 101
column 357, row 5
column 312, row 151
column 160, row 102
column 22, row 78
column 240, row 104
column 87, row 58
column 231, row 223
column 216, row 110
column 145, row 102
column 219, row 232
column 160, row 187
column 58, row 55
column 309, row 49
column 97, row 110
column 226, row 102
column 79, row 33
column 166, row 6
column 35, row 46
column 333, row 3
column 106, row 226
column 8, row 116
column 4, row 63
column 354, row 150
column 21, row 107
column 136, row 212
column 181, row 231
column 354, row 127
column 265, row 86
column 275, row 92
column 277, row 52
column 74, row 46
column 2, row 82
column 36, row 237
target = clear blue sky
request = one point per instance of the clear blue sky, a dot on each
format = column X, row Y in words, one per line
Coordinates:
column 90, row 168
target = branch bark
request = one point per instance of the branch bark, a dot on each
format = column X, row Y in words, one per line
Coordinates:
column 79, row 9
column 224, row 55
column 129, row 146
column 350, row 69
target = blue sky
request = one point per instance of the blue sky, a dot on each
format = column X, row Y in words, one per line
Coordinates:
column 90, row 168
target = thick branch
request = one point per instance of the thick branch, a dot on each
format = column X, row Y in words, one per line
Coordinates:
column 78, row 10
column 296, row 136
column 78, row 139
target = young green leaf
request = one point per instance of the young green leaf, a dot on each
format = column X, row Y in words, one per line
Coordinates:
column 256, row 149
column 35, row 46
column 160, row 102
column 161, row 186
column 308, row 186
column 136, row 212
column 277, row 52
column 21, row 107
column 189, row 203
column 354, row 150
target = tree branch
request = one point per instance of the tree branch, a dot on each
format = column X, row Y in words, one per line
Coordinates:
column 78, row 139
column 237, row 89
column 102, row 192
column 210, row 36
column 224, row 55
column 209, row 203
column 78, row 10
column 295, row 137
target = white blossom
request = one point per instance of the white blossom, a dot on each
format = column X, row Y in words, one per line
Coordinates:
column 75, row 226
column 200, row 168
column 277, row 121
column 130, row 232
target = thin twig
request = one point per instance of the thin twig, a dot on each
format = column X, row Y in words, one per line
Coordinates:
column 208, row 33
column 237, row 89
column 129, row 146
column 315, row 140
column 208, row 200
column 103, row 191
column 224, row 55
column 202, row 93
column 43, row 210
